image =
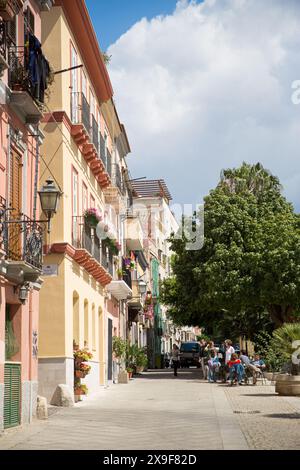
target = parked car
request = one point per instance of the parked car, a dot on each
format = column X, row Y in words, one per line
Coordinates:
column 189, row 354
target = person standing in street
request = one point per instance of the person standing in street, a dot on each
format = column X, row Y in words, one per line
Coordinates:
column 229, row 350
column 175, row 358
column 202, row 355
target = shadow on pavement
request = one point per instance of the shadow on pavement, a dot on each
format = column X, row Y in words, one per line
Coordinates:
column 260, row 395
column 183, row 374
column 284, row 415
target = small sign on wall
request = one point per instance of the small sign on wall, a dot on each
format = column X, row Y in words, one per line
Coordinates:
column 50, row 270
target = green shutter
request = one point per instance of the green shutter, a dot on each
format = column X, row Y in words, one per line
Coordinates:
column 12, row 395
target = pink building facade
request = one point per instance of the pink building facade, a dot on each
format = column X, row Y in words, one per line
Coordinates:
column 22, row 88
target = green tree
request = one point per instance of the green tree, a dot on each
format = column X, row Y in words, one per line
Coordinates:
column 248, row 271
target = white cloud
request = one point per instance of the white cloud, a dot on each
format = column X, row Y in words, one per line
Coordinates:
column 208, row 87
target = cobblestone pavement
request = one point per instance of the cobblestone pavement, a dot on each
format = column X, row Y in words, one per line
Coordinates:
column 156, row 411
column 159, row 411
column 269, row 422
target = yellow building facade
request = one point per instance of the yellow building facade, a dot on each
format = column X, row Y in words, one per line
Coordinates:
column 83, row 151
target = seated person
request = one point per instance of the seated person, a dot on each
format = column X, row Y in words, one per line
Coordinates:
column 213, row 366
column 236, row 370
column 249, row 366
column 258, row 362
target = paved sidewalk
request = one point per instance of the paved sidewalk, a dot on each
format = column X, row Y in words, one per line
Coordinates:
column 156, row 411
column 268, row 421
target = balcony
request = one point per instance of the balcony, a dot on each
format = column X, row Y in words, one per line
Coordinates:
column 3, row 48
column 21, row 242
column 95, row 133
column 127, row 276
column 80, row 117
column 108, row 163
column 114, row 193
column 10, row 8
column 136, row 301
column 120, row 290
column 134, row 233
column 46, row 5
column 22, row 97
column 84, row 237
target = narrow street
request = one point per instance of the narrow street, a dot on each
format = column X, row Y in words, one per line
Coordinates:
column 158, row 411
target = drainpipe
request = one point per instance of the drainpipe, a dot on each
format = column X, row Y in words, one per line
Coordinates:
column 36, row 171
column 30, row 355
column 8, row 163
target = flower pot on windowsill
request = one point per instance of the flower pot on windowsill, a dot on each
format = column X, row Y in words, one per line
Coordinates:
column 82, row 390
column 79, row 374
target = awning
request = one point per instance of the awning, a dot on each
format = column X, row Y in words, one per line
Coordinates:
column 119, row 289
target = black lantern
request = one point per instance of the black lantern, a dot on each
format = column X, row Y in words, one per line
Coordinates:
column 49, row 199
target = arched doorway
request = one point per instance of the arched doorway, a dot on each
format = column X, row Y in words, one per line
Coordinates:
column 76, row 336
column 86, row 324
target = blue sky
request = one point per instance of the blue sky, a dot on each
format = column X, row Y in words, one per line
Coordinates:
column 204, row 86
column 113, row 18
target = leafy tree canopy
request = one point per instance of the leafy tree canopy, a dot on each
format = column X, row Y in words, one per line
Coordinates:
column 248, row 271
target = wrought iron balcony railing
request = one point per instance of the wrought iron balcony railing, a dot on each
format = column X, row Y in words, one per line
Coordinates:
column 117, row 178
column 95, row 133
column 108, row 163
column 3, row 40
column 127, row 276
column 84, row 236
column 21, row 238
column 80, row 110
column 10, row 8
column 102, row 150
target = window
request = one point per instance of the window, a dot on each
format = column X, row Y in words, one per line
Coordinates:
column 84, row 197
column 74, row 192
column 11, row 31
column 84, row 84
column 28, row 23
column 93, row 111
column 92, row 201
column 74, row 87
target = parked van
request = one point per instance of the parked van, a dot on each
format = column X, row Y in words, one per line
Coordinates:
column 189, row 354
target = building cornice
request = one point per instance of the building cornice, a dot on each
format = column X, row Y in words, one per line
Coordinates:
column 80, row 23
column 84, row 259
column 82, row 140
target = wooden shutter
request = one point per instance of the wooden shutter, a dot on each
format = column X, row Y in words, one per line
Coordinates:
column 15, row 202
column 15, row 183
column 12, row 395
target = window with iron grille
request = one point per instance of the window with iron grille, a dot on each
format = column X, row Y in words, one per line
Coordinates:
column 28, row 23
column 11, row 31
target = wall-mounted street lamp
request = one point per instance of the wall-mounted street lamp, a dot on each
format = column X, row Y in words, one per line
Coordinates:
column 142, row 287
column 23, row 292
column 49, row 198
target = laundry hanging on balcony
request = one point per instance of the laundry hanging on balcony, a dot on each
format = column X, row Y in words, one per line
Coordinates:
column 38, row 69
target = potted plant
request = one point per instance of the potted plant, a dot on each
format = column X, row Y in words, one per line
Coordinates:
column 81, row 355
column 129, row 371
column 141, row 360
column 286, row 340
column 80, row 389
column 92, row 217
column 83, row 371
